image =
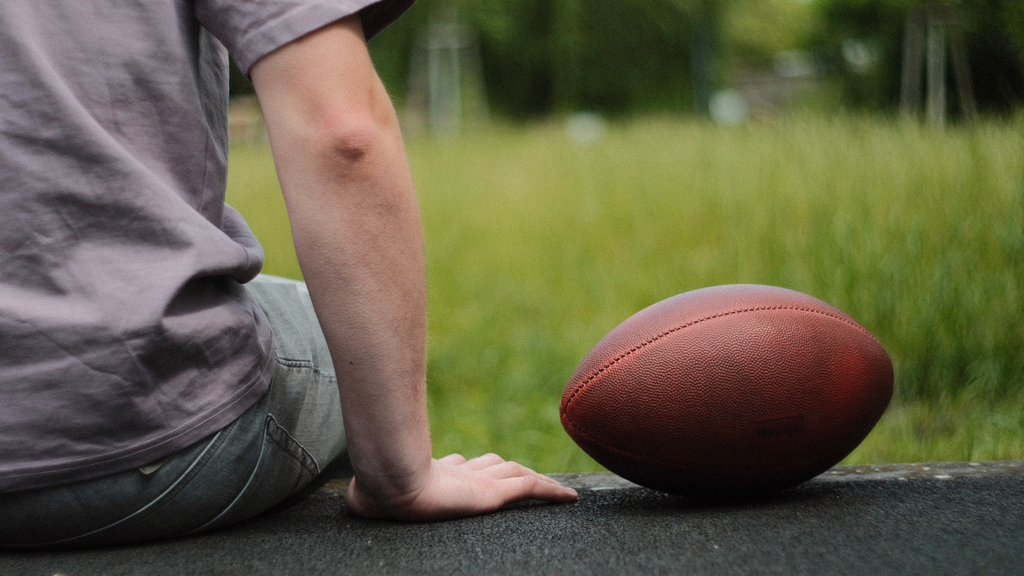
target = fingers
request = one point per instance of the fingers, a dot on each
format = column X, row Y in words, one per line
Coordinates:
column 514, row 470
column 494, row 466
column 498, row 467
column 458, row 487
column 519, row 482
column 535, row 488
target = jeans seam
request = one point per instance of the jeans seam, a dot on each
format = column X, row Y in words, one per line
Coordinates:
column 284, row 440
column 238, row 497
column 175, row 487
column 296, row 363
column 306, row 364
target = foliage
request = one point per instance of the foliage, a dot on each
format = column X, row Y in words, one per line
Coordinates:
column 756, row 30
column 541, row 56
column 545, row 56
column 537, row 246
column 994, row 37
column 392, row 49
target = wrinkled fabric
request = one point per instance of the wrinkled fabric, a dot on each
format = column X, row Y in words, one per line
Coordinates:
column 281, row 447
column 125, row 332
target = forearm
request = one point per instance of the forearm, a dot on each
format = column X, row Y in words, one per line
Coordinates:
column 357, row 233
column 356, row 224
column 361, row 250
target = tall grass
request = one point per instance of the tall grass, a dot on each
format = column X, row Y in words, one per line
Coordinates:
column 537, row 246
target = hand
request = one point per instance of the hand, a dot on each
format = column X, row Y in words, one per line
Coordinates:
column 456, row 488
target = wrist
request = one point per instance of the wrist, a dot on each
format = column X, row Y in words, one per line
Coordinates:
column 391, row 466
column 375, row 496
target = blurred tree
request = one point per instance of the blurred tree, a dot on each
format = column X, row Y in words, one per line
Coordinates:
column 756, row 30
column 704, row 47
column 392, row 49
column 1013, row 19
column 861, row 42
column 541, row 56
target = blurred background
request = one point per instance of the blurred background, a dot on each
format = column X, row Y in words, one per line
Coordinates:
column 452, row 61
column 578, row 160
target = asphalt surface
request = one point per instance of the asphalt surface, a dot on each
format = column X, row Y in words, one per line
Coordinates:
column 916, row 519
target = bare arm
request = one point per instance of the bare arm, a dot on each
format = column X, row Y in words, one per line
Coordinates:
column 355, row 219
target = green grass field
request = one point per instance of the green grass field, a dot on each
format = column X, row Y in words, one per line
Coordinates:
column 537, row 246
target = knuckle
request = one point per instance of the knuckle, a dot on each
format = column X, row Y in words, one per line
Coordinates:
column 517, row 468
column 492, row 458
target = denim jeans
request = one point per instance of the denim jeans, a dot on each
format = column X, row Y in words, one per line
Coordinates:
column 271, row 453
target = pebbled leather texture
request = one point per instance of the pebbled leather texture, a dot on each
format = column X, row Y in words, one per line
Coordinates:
column 728, row 390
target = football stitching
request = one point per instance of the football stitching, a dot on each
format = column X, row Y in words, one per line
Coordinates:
column 579, row 388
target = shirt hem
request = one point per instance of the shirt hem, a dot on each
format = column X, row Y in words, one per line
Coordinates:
column 164, row 445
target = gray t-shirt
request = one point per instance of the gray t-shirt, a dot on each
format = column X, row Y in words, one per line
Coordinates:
column 125, row 333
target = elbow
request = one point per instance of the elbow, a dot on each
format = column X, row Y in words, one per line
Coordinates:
column 356, row 136
column 350, row 138
column 363, row 156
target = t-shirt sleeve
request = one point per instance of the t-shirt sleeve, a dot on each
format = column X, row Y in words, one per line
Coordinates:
column 251, row 29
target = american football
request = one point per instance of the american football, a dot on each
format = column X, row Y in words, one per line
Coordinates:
column 728, row 391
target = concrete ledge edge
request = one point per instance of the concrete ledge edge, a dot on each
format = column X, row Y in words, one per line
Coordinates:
column 875, row 472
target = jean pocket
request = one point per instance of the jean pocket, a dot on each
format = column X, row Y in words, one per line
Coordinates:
column 284, row 468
